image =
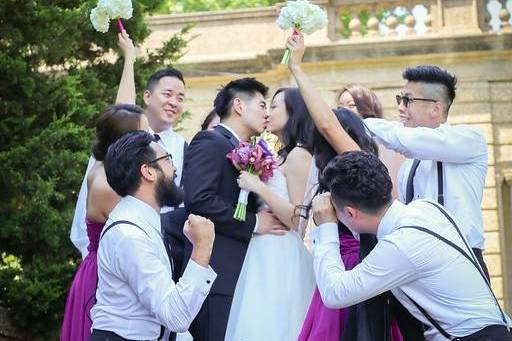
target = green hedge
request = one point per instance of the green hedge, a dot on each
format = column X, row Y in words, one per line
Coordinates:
column 53, row 84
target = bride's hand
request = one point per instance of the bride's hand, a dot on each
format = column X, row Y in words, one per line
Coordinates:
column 126, row 45
column 249, row 182
column 296, row 45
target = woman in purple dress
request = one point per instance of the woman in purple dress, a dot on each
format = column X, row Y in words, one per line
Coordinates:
column 369, row 320
column 101, row 199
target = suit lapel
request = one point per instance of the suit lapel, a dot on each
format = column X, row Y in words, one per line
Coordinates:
column 227, row 134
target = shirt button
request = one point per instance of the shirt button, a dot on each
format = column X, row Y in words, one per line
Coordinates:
column 208, row 281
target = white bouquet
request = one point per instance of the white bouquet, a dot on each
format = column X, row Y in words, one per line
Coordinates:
column 110, row 9
column 303, row 16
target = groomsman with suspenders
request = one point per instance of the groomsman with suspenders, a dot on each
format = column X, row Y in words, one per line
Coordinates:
column 446, row 163
column 422, row 255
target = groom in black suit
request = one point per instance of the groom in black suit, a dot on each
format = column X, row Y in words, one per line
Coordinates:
column 211, row 190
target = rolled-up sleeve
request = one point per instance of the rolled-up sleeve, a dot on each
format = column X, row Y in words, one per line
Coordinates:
column 386, row 267
column 446, row 143
column 175, row 305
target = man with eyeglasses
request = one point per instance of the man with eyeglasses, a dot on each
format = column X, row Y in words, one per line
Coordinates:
column 136, row 296
column 446, row 163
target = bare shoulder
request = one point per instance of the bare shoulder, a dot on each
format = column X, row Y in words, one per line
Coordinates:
column 101, row 198
column 298, row 159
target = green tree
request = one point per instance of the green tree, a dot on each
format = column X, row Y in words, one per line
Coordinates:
column 54, row 81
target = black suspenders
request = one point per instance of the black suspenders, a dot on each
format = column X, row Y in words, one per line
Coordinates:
column 126, row 222
column 472, row 259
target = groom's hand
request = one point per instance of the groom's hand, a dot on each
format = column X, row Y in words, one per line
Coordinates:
column 201, row 233
column 269, row 224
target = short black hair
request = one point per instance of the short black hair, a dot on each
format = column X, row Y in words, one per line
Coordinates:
column 433, row 74
column 360, row 179
column 224, row 99
column 167, row 72
column 124, row 159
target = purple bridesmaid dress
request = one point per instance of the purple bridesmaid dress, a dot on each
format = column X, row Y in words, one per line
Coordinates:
column 82, row 293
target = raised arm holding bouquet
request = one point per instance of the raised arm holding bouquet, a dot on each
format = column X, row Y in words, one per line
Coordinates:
column 302, row 16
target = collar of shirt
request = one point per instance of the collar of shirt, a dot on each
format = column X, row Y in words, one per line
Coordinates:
column 389, row 221
column 231, row 131
column 141, row 211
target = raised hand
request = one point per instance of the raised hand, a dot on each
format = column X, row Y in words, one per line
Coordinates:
column 269, row 224
column 201, row 233
column 295, row 43
column 249, row 182
column 323, row 210
column 126, row 45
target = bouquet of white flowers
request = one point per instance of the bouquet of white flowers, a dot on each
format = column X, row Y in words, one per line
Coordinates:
column 303, row 16
column 110, row 9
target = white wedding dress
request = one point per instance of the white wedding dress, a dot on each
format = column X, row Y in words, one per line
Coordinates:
column 275, row 286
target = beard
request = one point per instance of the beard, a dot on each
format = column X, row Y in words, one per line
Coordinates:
column 167, row 193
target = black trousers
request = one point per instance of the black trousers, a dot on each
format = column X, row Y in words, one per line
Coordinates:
column 489, row 333
column 212, row 320
column 104, row 335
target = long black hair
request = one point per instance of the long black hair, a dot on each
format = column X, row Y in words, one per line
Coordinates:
column 323, row 152
column 354, row 127
column 299, row 127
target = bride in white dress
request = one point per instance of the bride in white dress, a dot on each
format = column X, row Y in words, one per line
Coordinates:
column 277, row 279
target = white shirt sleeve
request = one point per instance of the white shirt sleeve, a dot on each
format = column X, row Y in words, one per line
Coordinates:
column 174, row 305
column 78, row 233
column 447, row 143
column 386, row 267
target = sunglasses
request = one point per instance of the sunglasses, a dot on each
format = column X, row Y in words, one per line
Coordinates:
column 408, row 100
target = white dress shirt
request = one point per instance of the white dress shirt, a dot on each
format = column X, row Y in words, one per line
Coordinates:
column 136, row 294
column 78, row 233
column 412, row 262
column 173, row 143
column 462, row 150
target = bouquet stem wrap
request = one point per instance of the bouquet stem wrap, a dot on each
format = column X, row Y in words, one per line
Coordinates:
column 241, row 207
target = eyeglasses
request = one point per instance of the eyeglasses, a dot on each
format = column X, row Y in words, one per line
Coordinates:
column 408, row 100
column 167, row 156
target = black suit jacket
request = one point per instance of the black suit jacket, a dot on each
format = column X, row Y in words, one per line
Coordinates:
column 211, row 191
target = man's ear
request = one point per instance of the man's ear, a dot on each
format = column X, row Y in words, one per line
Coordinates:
column 438, row 110
column 351, row 212
column 147, row 96
column 238, row 106
column 148, row 173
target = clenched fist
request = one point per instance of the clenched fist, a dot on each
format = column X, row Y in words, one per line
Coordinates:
column 201, row 233
column 323, row 211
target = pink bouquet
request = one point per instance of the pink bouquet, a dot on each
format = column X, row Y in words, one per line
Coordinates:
column 255, row 158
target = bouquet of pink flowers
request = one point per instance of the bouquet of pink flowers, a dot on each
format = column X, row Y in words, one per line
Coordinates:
column 255, row 158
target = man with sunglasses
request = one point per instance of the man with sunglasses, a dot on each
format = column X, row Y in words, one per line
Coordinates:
column 136, row 297
column 446, row 163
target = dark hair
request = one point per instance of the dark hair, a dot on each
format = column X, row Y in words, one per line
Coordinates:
column 124, row 159
column 432, row 74
column 224, row 99
column 113, row 123
column 208, row 119
column 299, row 126
column 360, row 179
column 354, row 127
column 167, row 72
column 367, row 103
